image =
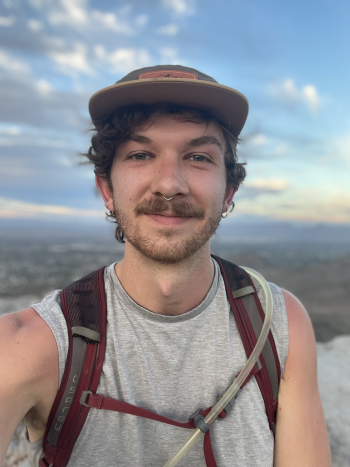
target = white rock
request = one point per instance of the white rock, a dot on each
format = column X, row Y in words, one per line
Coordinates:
column 334, row 385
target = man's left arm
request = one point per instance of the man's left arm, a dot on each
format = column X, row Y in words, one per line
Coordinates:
column 301, row 432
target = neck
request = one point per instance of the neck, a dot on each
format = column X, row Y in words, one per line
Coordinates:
column 168, row 289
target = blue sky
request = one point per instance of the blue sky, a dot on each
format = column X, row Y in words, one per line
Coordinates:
column 291, row 60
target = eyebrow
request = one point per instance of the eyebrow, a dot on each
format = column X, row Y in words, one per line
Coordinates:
column 140, row 139
column 204, row 140
column 201, row 141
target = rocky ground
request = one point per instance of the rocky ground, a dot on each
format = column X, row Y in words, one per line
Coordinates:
column 334, row 384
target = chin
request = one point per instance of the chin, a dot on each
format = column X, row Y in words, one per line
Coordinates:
column 167, row 254
column 167, row 248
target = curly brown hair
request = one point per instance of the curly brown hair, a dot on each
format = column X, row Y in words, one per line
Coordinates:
column 117, row 129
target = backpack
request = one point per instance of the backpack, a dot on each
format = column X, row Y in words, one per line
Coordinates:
column 84, row 307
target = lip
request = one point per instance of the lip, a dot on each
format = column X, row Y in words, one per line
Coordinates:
column 167, row 219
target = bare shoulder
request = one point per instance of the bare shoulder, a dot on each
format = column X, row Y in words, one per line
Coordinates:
column 27, row 340
column 302, row 345
column 297, row 314
column 301, row 433
column 28, row 368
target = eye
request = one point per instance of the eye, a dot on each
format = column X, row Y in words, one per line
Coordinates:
column 140, row 156
column 199, row 158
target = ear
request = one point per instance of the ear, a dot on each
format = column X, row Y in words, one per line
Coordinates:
column 106, row 193
column 230, row 192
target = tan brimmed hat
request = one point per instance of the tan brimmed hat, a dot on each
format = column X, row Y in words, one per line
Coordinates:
column 173, row 84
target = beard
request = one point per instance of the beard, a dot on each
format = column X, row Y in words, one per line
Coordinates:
column 166, row 247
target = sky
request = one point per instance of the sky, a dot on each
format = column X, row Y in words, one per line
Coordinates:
column 290, row 59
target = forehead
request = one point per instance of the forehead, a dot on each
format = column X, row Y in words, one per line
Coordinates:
column 181, row 126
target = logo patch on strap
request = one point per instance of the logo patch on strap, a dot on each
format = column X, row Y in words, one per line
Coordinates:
column 168, row 74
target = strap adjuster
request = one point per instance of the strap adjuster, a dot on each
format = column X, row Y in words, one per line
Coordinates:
column 227, row 409
column 198, row 420
column 84, row 396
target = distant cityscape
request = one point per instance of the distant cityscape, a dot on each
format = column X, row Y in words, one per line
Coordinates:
column 313, row 262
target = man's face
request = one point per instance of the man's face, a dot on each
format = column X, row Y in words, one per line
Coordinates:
column 176, row 159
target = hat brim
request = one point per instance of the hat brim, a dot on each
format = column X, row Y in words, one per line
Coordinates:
column 227, row 104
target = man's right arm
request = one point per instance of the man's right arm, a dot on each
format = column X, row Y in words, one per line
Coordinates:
column 28, row 370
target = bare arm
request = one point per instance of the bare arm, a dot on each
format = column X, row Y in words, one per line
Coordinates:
column 301, row 433
column 28, row 369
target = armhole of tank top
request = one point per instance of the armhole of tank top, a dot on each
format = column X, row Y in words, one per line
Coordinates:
column 280, row 325
column 50, row 311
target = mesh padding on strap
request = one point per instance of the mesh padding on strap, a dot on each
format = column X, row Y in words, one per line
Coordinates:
column 83, row 303
column 237, row 277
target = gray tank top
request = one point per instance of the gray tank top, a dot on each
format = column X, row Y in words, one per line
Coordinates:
column 172, row 365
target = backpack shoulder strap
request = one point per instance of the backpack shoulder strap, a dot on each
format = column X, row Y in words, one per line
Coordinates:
column 84, row 307
column 249, row 316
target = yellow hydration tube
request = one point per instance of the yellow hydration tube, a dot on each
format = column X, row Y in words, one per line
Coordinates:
column 235, row 386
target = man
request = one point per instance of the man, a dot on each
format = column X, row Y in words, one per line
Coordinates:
column 166, row 167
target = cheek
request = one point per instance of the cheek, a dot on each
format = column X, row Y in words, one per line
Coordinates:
column 217, row 186
column 127, row 185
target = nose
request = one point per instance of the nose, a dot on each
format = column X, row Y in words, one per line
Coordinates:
column 169, row 178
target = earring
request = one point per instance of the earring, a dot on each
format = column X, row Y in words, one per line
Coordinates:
column 231, row 207
column 225, row 214
column 110, row 214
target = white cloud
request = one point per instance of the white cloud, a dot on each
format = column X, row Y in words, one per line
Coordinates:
column 12, row 130
column 180, row 7
column 44, row 87
column 339, row 152
column 258, row 140
column 75, row 9
column 38, row 4
column 34, row 25
column 124, row 60
column 72, row 13
column 100, row 51
column 280, row 151
column 168, row 30
column 141, row 20
column 12, row 208
column 265, row 184
column 8, row 63
column 73, row 61
column 307, row 205
column 258, row 145
column 7, row 21
column 311, row 97
column 287, row 92
column 289, row 89
column 76, row 14
column 111, row 21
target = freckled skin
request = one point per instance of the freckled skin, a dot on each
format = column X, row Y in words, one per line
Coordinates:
column 169, row 166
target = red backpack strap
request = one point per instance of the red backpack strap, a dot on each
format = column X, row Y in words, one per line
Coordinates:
column 249, row 316
column 84, row 307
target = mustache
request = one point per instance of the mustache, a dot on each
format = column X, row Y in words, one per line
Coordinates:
column 178, row 207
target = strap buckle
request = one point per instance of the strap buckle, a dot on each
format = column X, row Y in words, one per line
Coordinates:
column 227, row 409
column 198, row 420
column 84, row 396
